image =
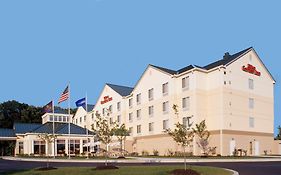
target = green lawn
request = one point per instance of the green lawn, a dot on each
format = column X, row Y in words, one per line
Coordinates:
column 134, row 170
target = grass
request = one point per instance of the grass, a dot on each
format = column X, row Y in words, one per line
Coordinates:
column 132, row 170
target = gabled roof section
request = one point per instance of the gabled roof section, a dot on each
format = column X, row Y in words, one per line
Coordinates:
column 169, row 71
column 173, row 72
column 7, row 132
column 122, row 90
column 227, row 59
column 89, row 107
column 22, row 128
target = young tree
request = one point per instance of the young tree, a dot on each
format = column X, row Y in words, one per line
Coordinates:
column 104, row 133
column 278, row 137
column 203, row 135
column 121, row 132
column 183, row 136
column 48, row 139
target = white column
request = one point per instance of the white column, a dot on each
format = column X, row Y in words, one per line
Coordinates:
column 52, row 149
column 46, row 149
column 81, row 146
column 66, row 146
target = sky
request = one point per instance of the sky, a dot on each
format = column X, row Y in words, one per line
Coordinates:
column 46, row 44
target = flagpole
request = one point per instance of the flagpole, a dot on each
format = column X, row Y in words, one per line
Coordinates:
column 69, row 120
column 53, row 106
column 86, row 126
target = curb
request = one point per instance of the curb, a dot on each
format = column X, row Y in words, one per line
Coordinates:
column 139, row 160
column 233, row 172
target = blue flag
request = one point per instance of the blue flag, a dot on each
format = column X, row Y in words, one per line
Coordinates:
column 81, row 102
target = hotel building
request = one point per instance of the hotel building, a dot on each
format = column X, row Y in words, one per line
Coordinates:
column 235, row 95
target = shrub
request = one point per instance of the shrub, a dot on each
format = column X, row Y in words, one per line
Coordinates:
column 134, row 154
column 170, row 152
column 144, row 153
column 155, row 152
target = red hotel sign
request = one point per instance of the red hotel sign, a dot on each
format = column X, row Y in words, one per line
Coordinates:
column 106, row 99
column 251, row 69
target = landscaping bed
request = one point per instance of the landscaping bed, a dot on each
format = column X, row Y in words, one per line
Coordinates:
column 130, row 170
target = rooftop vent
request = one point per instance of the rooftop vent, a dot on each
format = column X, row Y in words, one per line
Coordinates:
column 226, row 55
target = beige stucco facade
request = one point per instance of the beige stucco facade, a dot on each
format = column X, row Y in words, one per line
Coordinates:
column 238, row 106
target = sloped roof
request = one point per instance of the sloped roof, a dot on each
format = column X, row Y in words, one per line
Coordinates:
column 227, row 59
column 89, row 107
column 172, row 72
column 169, row 71
column 122, row 90
column 7, row 132
column 22, row 128
column 61, row 128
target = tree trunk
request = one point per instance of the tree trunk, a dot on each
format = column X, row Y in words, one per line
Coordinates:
column 121, row 146
column 106, row 154
column 184, row 158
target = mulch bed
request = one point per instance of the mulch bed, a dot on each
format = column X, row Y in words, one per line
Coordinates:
column 108, row 167
column 184, row 172
column 46, row 168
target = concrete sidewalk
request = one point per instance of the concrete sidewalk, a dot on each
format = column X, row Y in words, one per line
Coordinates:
column 149, row 160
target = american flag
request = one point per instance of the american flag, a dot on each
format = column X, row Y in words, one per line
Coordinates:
column 64, row 96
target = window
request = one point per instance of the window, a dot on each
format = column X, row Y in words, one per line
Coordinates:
column 131, row 117
column 61, row 147
column 139, row 114
column 131, row 130
column 150, row 111
column 60, row 118
column 185, row 83
column 150, row 127
column 118, row 118
column 39, row 147
column 103, row 111
column 75, row 147
column 186, row 103
column 130, row 103
column 165, row 107
column 110, row 108
column 51, row 118
column 93, row 117
column 138, row 98
column 251, row 83
column 118, row 106
column 138, row 129
column 251, row 122
column 186, row 122
column 64, row 118
column 165, row 124
column 150, row 94
column 165, row 89
column 80, row 119
column 21, row 148
column 85, row 118
column 251, row 103
column 76, row 121
column 110, row 120
column 56, row 118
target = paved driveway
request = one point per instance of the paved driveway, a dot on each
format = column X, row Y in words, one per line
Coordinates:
column 244, row 168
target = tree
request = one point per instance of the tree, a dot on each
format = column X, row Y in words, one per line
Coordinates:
column 203, row 135
column 48, row 139
column 183, row 136
column 104, row 132
column 121, row 132
column 278, row 137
